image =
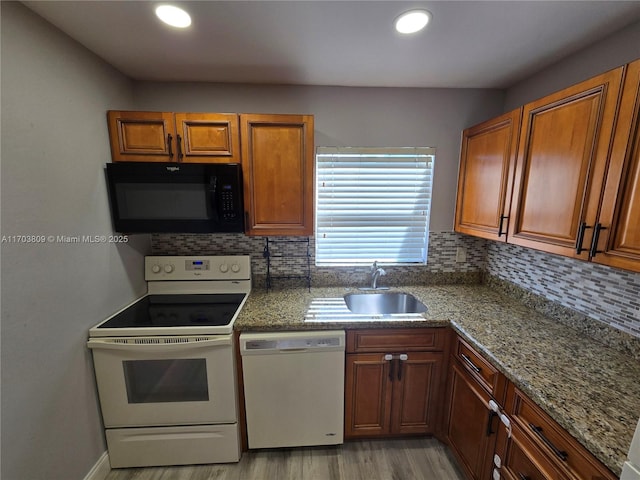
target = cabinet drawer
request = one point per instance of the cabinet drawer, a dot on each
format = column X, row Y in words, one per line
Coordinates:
column 551, row 438
column 523, row 460
column 400, row 340
column 486, row 374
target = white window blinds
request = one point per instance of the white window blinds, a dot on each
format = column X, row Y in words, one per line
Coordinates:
column 373, row 204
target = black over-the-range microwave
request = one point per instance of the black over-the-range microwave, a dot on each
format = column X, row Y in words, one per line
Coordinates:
column 175, row 197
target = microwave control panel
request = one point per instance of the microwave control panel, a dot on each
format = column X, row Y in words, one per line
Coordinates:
column 227, row 203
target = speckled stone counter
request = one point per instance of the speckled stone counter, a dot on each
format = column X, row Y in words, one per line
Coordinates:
column 590, row 389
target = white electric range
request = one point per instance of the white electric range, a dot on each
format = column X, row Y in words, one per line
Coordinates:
column 165, row 365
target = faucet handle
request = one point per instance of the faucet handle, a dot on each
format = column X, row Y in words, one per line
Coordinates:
column 382, row 272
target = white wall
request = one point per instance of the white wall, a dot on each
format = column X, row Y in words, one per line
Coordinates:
column 359, row 117
column 54, row 146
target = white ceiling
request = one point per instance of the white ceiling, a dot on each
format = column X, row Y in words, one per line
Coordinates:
column 484, row 44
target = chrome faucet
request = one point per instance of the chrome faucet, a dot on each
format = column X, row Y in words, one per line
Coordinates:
column 376, row 273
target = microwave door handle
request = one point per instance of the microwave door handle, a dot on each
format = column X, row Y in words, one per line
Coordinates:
column 212, row 208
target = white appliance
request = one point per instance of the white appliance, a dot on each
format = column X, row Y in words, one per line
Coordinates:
column 294, row 388
column 631, row 468
column 165, row 365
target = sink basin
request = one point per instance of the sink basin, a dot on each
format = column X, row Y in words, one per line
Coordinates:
column 383, row 303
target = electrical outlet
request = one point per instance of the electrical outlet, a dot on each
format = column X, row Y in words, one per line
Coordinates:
column 461, row 255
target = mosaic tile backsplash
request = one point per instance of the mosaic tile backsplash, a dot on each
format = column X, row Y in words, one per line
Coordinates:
column 290, row 258
column 602, row 293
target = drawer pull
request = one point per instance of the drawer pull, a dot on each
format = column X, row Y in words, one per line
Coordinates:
column 469, row 362
column 561, row 454
column 522, row 476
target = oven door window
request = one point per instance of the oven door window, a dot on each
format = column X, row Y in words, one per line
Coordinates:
column 172, row 380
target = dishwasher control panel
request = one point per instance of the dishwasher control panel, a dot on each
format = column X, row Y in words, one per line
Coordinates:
column 291, row 341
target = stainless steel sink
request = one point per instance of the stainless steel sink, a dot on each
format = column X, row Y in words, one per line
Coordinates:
column 383, row 303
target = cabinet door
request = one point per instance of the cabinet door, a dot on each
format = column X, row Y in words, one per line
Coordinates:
column 278, row 170
column 619, row 220
column 562, row 155
column 368, row 392
column 485, row 180
column 207, row 138
column 470, row 424
column 415, row 407
column 141, row 136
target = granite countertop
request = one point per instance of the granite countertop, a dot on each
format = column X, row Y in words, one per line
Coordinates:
column 592, row 390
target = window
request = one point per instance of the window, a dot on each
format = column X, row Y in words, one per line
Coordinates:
column 373, row 204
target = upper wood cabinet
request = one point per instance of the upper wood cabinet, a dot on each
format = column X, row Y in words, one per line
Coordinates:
column 169, row 137
column 208, row 137
column 562, row 157
column 141, row 136
column 278, row 172
column 617, row 232
column 485, row 179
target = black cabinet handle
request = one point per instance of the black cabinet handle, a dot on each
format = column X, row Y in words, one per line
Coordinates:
column 170, row 145
column 502, row 219
column 392, row 370
column 594, row 241
column 469, row 362
column 522, row 476
column 492, row 415
column 179, row 145
column 580, row 239
column 561, row 454
column 401, row 358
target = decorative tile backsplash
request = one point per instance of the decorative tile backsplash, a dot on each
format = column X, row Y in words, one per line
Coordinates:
column 441, row 267
column 602, row 293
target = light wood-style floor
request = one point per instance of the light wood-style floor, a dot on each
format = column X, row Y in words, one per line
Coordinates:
column 403, row 459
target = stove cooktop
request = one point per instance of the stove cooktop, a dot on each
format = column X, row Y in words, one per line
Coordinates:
column 188, row 295
column 168, row 314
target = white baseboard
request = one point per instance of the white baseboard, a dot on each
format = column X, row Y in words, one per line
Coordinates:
column 101, row 469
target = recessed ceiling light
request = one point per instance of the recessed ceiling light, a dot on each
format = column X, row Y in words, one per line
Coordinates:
column 174, row 16
column 412, row 21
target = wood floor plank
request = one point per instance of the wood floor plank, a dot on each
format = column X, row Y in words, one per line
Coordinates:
column 401, row 459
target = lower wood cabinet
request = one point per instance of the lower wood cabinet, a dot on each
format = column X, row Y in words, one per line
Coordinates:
column 538, row 441
column 471, row 425
column 431, row 381
column 521, row 459
column 396, row 390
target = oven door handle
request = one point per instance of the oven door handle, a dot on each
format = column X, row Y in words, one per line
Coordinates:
column 171, row 346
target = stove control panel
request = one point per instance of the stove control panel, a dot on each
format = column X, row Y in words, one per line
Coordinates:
column 206, row 267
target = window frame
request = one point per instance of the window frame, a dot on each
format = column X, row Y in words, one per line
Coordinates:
column 420, row 159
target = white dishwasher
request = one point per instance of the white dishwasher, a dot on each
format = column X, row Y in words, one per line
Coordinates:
column 293, row 388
